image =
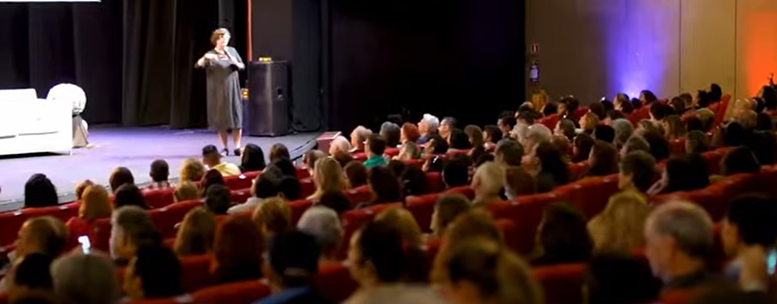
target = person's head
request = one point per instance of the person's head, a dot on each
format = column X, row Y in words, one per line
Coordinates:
column 455, row 173
column 613, row 115
column 659, row 111
column 716, row 93
column 562, row 143
column 488, row 179
column 385, row 185
column 211, row 156
column 192, row 170
column 39, row 191
column 155, row 272
column 446, row 125
column 492, row 134
column 603, row 160
column 588, row 122
column 409, row 133
column 220, row 38
column 569, row 105
column 343, row 158
column 403, row 221
column 289, row 188
column 739, row 160
column 447, row 209
column 310, row 158
column 636, row 103
column 413, row 181
column 186, row 191
column 617, row 278
column 604, row 133
column 634, row 143
column 375, row 145
column 119, row 177
column 339, row 145
column 31, row 273
column 623, row 130
column 619, row 226
column 356, row 173
column 212, row 177
column 626, row 108
column 563, row 236
column 734, row 134
column 582, row 146
column 391, row 133
column 437, row 145
column 552, row 162
column 482, row 271
column 279, row 151
column 565, row 127
column 678, row 238
column 508, row 153
column 237, row 250
column 703, row 99
column 537, row 134
column 680, row 176
column 292, row 260
column 597, row 109
column 272, row 216
column 506, row 123
column 410, row 150
column 218, row 199
column 697, row 142
column 637, row 171
column 131, row 228
column 647, row 97
column 678, row 105
column 674, row 127
column 129, row 195
column 359, row 136
column 328, row 175
column 376, row 255
column 475, row 135
column 620, row 99
column 428, row 124
column 749, row 222
column 747, row 118
column 252, row 158
column 549, row 109
column 764, row 122
column 646, row 125
column 81, row 187
column 693, row 123
column 45, row 235
column 85, row 278
column 95, row 204
column 196, row 233
column 457, row 139
column 335, row 200
column 324, row 225
column 160, row 171
column 659, row 146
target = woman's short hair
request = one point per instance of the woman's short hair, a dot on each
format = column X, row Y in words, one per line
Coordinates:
column 274, row 214
column 119, row 177
column 411, row 132
column 218, row 34
column 623, row 130
column 130, row 195
column 192, row 170
column 218, row 199
column 39, row 191
column 697, row 142
column 404, row 222
column 196, row 233
column 356, row 173
column 80, row 187
column 85, row 278
column 324, row 225
column 95, row 204
column 447, row 209
column 642, row 166
column 279, row 151
column 252, row 158
column 391, row 132
column 186, row 191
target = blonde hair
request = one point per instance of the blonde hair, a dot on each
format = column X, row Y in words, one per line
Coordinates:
column 196, row 233
column 620, row 226
column 404, row 222
column 186, row 191
column 473, row 224
column 192, row 170
column 81, row 187
column 273, row 214
column 590, row 121
column 95, row 204
column 500, row 276
column 490, row 176
column 328, row 176
column 218, row 34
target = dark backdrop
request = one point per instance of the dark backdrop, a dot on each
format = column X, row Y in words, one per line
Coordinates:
column 463, row 58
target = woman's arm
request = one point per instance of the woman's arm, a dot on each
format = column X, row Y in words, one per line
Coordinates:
column 204, row 60
column 236, row 60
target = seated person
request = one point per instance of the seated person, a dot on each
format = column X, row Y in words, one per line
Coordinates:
column 374, row 149
column 212, row 158
column 160, row 172
column 154, row 272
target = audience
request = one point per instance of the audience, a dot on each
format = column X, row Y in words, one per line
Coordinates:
column 618, row 228
column 553, row 170
column 212, row 177
column 335, row 200
column 581, row 149
column 402, row 221
column 748, row 236
column 237, row 251
column 160, row 172
column 359, row 137
column 324, row 225
column 129, row 195
column 81, row 187
column 192, row 170
column 604, row 133
column 617, row 278
column 328, row 176
column 31, row 276
column 391, row 133
column 446, row 210
column 211, row 157
column 85, row 279
column 271, row 217
column 374, row 148
column 95, row 204
column 196, row 233
column 562, row 237
column 154, row 272
column 637, row 172
column 427, row 127
column 697, row 142
column 252, row 159
column 487, row 184
column 385, row 187
column 739, row 160
column 603, row 160
column 186, row 191
column 39, row 191
column 119, row 177
column 455, row 173
column 339, row 145
column 131, row 229
column 634, row 143
column 355, row 174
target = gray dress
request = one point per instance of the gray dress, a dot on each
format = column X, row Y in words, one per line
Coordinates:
column 225, row 109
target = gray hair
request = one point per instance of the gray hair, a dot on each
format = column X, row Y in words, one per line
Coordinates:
column 85, row 279
column 687, row 223
column 323, row 224
column 635, row 143
column 341, row 144
column 362, row 133
column 135, row 223
column 432, row 121
column 539, row 133
column 623, row 130
column 388, row 126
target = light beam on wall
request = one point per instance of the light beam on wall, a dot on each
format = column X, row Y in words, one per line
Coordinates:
column 759, row 48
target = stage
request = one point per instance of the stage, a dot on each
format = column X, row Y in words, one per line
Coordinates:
column 134, row 148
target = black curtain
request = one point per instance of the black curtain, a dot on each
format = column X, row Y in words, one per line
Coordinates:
column 162, row 41
column 50, row 43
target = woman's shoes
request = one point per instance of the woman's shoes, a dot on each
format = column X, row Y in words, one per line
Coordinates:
column 225, row 152
column 237, row 152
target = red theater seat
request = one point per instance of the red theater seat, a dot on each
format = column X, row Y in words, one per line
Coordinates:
column 242, row 181
column 307, row 187
column 391, row 152
column 434, row 182
column 561, row 283
column 245, row 292
column 464, row 190
column 422, row 208
column 166, row 218
column 526, row 213
column 359, row 194
column 241, row 196
column 353, row 220
column 159, row 198
column 590, row 195
column 298, row 208
column 11, row 222
column 195, row 272
column 550, row 121
column 335, row 281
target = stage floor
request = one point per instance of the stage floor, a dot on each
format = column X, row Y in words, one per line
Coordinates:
column 134, row 148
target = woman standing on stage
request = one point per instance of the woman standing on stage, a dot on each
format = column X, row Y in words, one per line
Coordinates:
column 225, row 111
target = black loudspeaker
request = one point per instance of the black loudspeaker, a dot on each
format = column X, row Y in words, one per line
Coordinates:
column 266, row 113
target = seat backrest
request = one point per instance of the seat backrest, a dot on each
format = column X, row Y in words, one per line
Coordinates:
column 464, row 190
column 237, row 182
column 195, row 272
column 359, row 194
column 590, row 195
column 422, row 208
column 159, row 198
column 434, row 182
column 166, row 218
column 562, row 283
column 391, row 152
column 307, row 187
column 11, row 222
column 353, row 220
column 241, row 196
column 298, row 208
column 334, row 281
column 244, row 292
column 101, row 234
column 526, row 213
column 550, row 121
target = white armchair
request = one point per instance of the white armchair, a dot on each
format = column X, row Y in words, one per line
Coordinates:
column 32, row 125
